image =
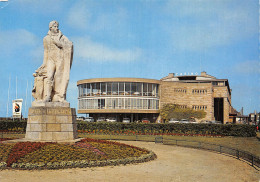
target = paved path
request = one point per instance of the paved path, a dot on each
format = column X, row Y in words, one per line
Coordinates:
column 174, row 164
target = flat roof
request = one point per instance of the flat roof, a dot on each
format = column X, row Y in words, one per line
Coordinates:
column 93, row 80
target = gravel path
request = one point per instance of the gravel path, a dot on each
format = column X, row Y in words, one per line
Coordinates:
column 174, row 164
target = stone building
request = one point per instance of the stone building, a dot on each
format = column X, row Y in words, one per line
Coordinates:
column 137, row 98
column 200, row 92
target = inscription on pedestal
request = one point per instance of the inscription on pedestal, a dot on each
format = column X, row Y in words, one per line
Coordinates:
column 50, row 111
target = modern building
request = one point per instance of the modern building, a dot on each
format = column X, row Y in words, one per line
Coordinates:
column 120, row 98
column 137, row 98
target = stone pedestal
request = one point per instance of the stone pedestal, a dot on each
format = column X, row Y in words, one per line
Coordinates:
column 51, row 124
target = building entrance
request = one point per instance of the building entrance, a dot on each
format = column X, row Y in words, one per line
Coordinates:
column 219, row 109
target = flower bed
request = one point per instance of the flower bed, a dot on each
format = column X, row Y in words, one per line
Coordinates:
column 85, row 153
column 21, row 149
column 4, row 139
column 147, row 133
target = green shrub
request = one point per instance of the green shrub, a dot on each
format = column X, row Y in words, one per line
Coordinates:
column 152, row 128
column 175, row 111
column 166, row 128
column 19, row 126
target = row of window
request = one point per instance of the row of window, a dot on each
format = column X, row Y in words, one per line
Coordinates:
column 180, row 90
column 194, row 91
column 118, row 88
column 118, row 103
column 183, row 106
column 199, row 91
column 199, row 107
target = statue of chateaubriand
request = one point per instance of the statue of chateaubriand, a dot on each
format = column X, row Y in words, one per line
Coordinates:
column 52, row 77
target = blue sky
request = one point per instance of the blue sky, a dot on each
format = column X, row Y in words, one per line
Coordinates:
column 134, row 38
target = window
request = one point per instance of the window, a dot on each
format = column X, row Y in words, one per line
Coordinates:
column 199, row 107
column 121, row 88
column 180, row 90
column 115, row 88
column 199, row 91
column 103, row 89
column 109, row 88
column 145, row 89
column 150, row 89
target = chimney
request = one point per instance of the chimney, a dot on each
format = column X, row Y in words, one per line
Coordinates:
column 171, row 75
column 203, row 73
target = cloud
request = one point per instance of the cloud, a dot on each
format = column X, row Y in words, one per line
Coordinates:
column 111, row 21
column 39, row 6
column 95, row 17
column 37, row 54
column 199, row 24
column 20, row 44
column 17, row 39
column 79, row 16
column 93, row 51
column 248, row 67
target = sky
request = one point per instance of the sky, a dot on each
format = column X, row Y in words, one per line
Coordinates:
column 133, row 38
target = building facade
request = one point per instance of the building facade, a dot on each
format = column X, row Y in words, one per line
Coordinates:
column 137, row 98
column 119, row 98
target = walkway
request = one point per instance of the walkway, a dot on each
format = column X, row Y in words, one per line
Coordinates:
column 174, row 164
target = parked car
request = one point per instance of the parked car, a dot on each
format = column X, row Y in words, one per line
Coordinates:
column 193, row 121
column 205, row 122
column 100, row 119
column 184, row 121
column 216, row 122
column 145, row 120
column 126, row 120
column 89, row 119
column 228, row 122
column 173, row 120
column 111, row 120
column 80, row 118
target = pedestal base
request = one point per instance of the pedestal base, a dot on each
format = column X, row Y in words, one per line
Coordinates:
column 51, row 124
column 50, row 104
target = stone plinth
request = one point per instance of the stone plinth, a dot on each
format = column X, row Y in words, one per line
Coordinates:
column 50, row 104
column 51, row 124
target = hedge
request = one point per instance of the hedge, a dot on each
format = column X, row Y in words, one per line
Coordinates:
column 140, row 128
column 19, row 126
column 178, row 128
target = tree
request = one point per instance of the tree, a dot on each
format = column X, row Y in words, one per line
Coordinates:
column 175, row 111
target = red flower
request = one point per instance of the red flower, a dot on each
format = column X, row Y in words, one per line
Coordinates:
column 21, row 149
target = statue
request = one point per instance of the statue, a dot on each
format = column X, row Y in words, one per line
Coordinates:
column 52, row 77
column 50, row 118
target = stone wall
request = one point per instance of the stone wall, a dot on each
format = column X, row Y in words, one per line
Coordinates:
column 192, row 95
column 51, row 124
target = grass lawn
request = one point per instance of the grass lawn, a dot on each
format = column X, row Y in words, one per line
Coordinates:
column 12, row 135
column 248, row 144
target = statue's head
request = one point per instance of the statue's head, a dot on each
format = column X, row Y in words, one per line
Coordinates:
column 54, row 26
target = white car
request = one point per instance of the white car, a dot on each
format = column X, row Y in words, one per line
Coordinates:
column 184, row 121
column 111, row 120
column 216, row 122
column 173, row 120
column 89, row 119
column 100, row 119
column 126, row 120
